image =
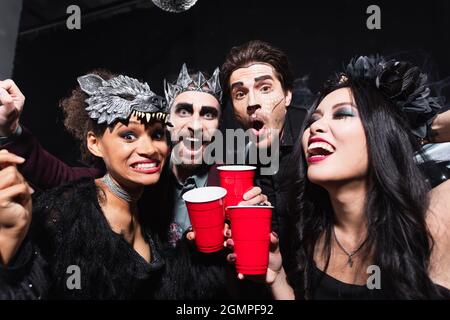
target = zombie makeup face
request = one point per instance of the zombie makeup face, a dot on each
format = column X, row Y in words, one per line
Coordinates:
column 195, row 118
column 194, row 101
column 259, row 101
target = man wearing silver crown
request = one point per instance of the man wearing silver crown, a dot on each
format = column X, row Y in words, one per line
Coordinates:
column 195, row 110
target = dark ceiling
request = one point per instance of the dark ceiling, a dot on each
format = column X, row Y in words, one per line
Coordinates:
column 42, row 15
column 136, row 38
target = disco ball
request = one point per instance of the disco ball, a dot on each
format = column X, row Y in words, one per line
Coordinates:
column 174, row 5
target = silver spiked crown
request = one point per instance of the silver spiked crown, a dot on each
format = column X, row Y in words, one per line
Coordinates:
column 200, row 83
column 122, row 97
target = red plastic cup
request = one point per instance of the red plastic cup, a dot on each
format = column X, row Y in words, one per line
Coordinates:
column 237, row 180
column 251, row 227
column 206, row 212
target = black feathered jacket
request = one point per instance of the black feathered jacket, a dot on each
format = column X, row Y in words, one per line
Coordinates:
column 69, row 230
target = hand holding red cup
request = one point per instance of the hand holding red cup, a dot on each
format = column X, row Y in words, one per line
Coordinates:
column 206, row 212
column 251, row 228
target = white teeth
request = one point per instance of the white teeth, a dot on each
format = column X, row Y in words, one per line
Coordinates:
column 192, row 139
column 322, row 145
column 145, row 165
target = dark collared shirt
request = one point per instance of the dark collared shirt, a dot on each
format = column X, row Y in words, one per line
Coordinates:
column 277, row 186
column 181, row 221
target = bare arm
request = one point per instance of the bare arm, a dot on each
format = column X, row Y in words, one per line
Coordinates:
column 281, row 289
column 441, row 128
column 438, row 221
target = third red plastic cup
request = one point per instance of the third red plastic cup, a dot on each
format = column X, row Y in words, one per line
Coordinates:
column 206, row 212
column 251, row 227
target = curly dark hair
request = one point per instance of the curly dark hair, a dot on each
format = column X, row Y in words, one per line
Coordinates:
column 77, row 121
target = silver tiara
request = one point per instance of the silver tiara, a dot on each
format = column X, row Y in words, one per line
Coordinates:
column 186, row 83
column 121, row 97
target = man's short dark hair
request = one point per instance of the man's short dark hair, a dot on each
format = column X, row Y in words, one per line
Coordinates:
column 258, row 51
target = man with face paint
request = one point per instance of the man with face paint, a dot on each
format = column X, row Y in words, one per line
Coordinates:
column 259, row 80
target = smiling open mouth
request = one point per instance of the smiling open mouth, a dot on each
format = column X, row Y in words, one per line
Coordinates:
column 318, row 151
column 192, row 143
column 146, row 167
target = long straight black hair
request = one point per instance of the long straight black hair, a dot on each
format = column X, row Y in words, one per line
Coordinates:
column 396, row 203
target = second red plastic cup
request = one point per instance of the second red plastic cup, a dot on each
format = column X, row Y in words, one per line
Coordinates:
column 237, row 180
column 206, row 212
column 251, row 227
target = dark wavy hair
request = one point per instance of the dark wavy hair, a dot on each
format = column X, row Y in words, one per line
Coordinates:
column 398, row 240
column 262, row 52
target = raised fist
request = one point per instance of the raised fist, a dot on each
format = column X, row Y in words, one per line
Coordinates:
column 11, row 106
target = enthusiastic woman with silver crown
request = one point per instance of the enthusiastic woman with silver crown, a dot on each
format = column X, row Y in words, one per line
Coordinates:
column 368, row 224
column 86, row 239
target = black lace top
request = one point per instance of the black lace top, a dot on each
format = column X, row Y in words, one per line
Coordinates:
column 69, row 233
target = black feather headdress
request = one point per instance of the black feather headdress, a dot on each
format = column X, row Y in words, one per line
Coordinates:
column 401, row 82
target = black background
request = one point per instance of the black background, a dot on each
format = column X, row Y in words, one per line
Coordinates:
column 150, row 44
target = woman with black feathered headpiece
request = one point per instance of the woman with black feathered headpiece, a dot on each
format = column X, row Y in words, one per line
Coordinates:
column 368, row 224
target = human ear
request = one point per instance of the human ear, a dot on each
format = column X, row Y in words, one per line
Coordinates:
column 288, row 98
column 94, row 144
